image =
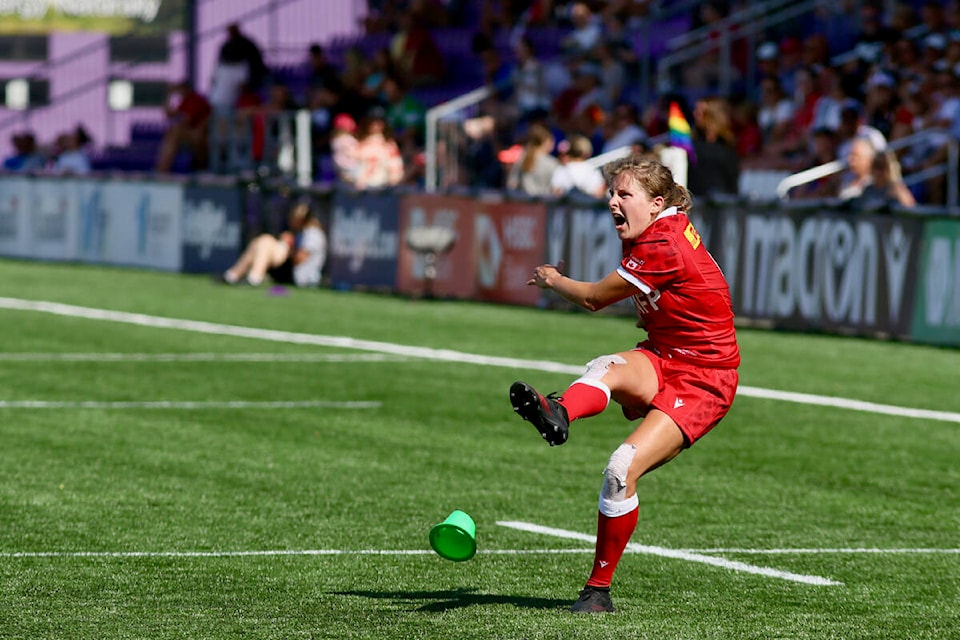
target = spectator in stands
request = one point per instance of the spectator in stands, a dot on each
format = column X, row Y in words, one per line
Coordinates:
column 933, row 20
column 633, row 14
column 716, row 169
column 239, row 61
column 853, row 126
column 343, row 148
column 795, row 143
column 613, row 75
column 581, row 108
column 932, row 50
column 498, row 76
column 816, row 51
column 531, row 98
column 880, row 102
column 904, row 18
column 887, row 186
column 379, row 161
column 482, row 161
column 534, row 170
column 72, row 157
column 874, row 36
column 768, row 61
column 577, row 173
column 323, row 105
column 265, row 119
column 587, row 31
column 823, row 149
column 497, row 72
column 790, row 52
column 620, row 21
column 623, row 129
column 743, row 119
column 826, row 109
column 945, row 117
column 654, row 117
column 703, row 72
column 860, row 168
column 296, row 256
column 26, row 156
column 406, row 118
column 917, row 112
column 322, row 74
column 188, row 116
column 351, row 98
column 379, row 68
column 415, row 54
column 775, row 118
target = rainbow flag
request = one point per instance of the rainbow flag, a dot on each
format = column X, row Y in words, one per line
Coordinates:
column 680, row 131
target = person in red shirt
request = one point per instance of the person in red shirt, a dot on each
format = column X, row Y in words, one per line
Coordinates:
column 679, row 382
column 188, row 113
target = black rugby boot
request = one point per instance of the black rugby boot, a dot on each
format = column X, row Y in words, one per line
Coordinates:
column 544, row 413
column 593, row 600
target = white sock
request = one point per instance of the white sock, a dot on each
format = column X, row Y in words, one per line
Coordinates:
column 254, row 282
column 230, row 277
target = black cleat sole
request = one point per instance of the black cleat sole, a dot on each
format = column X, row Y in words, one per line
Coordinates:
column 527, row 404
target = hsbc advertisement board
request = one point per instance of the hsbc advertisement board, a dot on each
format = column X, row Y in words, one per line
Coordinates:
column 456, row 270
column 497, row 245
column 508, row 245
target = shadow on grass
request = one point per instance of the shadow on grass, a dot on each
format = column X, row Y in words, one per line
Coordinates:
column 457, row 599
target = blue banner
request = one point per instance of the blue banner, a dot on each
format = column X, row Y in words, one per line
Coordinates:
column 212, row 228
column 364, row 240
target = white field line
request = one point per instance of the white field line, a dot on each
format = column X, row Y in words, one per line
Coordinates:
column 426, row 552
column 448, row 355
column 199, row 357
column 170, row 404
column 678, row 554
column 835, row 550
column 277, row 552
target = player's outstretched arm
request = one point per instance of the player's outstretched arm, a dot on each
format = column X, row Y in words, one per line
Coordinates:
column 591, row 296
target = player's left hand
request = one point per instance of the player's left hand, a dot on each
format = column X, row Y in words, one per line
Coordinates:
column 545, row 272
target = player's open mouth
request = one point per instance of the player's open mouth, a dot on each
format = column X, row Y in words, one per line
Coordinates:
column 619, row 219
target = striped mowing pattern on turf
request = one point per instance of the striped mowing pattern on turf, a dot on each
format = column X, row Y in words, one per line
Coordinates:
column 433, row 354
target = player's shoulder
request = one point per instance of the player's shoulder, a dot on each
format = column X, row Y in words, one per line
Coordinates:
column 666, row 229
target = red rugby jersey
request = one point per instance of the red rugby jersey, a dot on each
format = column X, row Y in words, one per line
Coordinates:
column 684, row 299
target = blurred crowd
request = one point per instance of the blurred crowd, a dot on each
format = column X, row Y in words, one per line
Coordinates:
column 64, row 155
column 798, row 101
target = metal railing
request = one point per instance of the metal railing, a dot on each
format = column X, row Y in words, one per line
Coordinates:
column 285, row 149
column 434, row 116
column 948, row 168
column 741, row 25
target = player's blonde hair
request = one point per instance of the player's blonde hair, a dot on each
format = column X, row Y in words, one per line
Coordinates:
column 654, row 177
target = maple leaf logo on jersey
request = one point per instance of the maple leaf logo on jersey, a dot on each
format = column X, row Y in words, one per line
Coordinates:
column 633, row 263
column 692, row 236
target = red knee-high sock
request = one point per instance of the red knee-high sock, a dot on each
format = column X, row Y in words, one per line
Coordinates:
column 613, row 533
column 584, row 400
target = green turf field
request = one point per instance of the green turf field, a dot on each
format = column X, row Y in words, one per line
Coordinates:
column 181, row 459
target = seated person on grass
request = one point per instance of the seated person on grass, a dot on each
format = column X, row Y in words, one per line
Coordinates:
column 294, row 257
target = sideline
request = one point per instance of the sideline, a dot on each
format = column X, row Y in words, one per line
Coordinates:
column 199, row 357
column 448, row 355
column 187, row 404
